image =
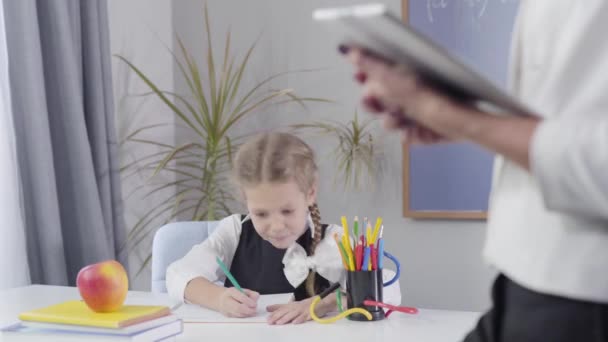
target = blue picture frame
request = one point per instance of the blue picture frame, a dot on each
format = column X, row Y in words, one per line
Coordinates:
column 453, row 181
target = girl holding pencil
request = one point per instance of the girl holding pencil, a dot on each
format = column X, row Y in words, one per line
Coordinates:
column 279, row 247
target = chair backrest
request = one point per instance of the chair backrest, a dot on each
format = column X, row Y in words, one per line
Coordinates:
column 171, row 242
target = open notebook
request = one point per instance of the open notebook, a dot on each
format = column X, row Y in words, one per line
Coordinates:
column 191, row 313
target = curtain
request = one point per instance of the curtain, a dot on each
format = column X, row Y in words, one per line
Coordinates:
column 13, row 259
column 62, row 105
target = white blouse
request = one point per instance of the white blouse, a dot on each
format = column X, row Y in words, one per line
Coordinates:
column 548, row 229
column 200, row 261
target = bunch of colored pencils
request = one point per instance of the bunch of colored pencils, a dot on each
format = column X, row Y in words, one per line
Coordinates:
column 365, row 250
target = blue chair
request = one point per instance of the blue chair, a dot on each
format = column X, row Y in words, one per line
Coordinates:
column 171, row 242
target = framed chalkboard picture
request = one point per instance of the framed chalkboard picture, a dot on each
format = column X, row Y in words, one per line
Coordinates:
column 452, row 181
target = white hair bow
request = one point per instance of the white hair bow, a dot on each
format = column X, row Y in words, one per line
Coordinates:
column 326, row 261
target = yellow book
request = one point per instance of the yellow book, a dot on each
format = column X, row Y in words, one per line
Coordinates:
column 76, row 312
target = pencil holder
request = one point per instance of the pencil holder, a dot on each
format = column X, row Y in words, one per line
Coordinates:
column 361, row 286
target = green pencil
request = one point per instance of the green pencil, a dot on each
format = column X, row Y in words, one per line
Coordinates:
column 229, row 275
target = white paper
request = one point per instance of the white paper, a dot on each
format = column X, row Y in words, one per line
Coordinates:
column 191, row 313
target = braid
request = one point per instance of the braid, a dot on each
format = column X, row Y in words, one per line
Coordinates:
column 316, row 220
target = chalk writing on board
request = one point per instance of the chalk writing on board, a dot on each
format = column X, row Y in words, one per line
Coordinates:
column 476, row 7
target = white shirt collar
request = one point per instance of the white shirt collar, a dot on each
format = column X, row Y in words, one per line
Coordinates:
column 309, row 222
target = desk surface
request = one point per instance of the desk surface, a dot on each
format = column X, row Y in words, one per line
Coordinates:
column 426, row 326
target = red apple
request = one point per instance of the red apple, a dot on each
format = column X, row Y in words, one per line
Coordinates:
column 103, row 286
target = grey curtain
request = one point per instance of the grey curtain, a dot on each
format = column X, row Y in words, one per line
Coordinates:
column 60, row 77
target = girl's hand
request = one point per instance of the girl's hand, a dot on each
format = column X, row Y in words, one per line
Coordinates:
column 233, row 303
column 294, row 312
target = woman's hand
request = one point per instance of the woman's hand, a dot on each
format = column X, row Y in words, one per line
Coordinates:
column 404, row 101
column 425, row 115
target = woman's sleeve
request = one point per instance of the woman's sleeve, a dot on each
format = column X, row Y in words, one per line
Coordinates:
column 570, row 160
column 569, row 153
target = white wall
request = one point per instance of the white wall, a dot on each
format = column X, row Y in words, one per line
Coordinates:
column 442, row 265
column 138, row 30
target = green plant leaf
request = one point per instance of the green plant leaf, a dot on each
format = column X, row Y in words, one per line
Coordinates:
column 151, row 142
column 160, row 94
column 211, row 107
column 144, row 265
column 149, row 216
column 142, row 129
column 171, row 156
column 198, row 92
column 210, row 62
column 353, row 151
column 165, row 186
column 145, row 233
column 249, row 109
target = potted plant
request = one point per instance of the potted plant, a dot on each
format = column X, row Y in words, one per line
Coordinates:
column 211, row 110
column 358, row 154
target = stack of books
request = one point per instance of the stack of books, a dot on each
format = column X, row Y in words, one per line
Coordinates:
column 74, row 321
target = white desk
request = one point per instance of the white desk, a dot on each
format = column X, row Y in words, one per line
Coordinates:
column 426, row 326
